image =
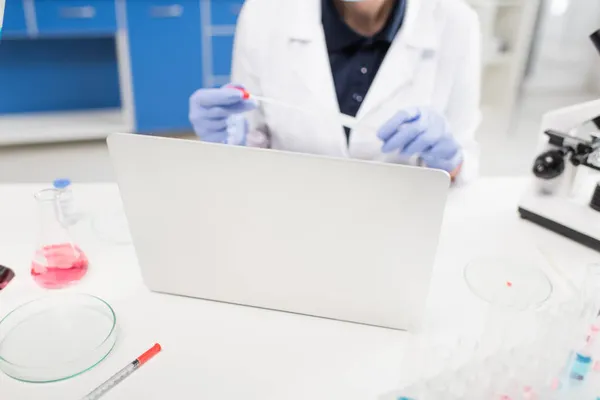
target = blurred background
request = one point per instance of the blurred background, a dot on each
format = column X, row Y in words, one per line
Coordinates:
column 72, row 71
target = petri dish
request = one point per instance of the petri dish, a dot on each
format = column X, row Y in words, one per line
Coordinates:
column 56, row 337
column 508, row 283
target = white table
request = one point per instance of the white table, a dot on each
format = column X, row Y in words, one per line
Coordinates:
column 224, row 352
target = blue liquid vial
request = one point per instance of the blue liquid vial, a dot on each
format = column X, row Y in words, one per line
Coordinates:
column 581, row 367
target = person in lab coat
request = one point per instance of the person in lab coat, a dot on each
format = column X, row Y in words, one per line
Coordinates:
column 408, row 70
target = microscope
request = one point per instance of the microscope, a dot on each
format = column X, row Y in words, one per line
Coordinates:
column 564, row 196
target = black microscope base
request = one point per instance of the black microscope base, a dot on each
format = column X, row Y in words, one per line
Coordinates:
column 560, row 229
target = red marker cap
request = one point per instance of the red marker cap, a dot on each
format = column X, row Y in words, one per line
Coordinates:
column 154, row 350
column 245, row 94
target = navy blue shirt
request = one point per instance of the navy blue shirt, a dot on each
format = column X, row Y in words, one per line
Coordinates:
column 355, row 59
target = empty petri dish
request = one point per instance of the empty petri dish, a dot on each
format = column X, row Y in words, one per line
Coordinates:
column 508, row 283
column 56, row 337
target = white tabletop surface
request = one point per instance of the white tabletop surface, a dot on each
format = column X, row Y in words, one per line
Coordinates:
column 218, row 351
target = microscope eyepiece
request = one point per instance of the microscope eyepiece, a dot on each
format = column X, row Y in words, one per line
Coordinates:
column 550, row 165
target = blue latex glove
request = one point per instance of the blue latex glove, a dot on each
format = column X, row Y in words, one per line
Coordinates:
column 214, row 113
column 422, row 132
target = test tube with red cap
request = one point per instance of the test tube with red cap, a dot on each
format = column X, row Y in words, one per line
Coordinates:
column 344, row 120
column 124, row 373
column 245, row 93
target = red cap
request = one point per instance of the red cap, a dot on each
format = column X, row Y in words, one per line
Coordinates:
column 245, row 94
column 154, row 350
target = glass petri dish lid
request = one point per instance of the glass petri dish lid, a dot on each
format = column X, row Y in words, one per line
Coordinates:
column 56, row 337
column 513, row 284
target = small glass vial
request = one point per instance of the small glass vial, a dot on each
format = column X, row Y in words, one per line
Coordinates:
column 67, row 212
column 581, row 367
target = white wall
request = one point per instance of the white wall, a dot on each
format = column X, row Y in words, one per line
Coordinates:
column 565, row 60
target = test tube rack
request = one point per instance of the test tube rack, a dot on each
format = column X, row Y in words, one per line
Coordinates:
column 558, row 358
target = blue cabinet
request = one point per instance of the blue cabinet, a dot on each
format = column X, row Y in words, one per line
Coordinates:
column 225, row 12
column 175, row 47
column 166, row 61
column 222, row 47
column 219, row 20
column 76, row 17
column 14, row 19
column 48, row 75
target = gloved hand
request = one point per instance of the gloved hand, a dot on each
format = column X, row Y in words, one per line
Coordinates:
column 422, row 132
column 211, row 112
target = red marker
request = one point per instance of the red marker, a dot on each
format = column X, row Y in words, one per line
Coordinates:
column 124, row 373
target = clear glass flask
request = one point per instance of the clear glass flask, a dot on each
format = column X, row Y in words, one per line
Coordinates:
column 58, row 261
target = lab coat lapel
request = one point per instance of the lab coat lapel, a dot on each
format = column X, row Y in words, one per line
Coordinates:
column 415, row 41
column 308, row 55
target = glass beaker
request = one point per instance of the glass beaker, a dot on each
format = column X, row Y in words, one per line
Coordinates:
column 58, row 261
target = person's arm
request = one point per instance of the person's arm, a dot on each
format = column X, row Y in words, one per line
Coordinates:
column 463, row 112
column 247, row 55
column 445, row 139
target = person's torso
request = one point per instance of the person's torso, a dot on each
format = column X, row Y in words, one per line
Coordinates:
column 297, row 71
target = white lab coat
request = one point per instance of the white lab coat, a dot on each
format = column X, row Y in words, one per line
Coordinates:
column 280, row 52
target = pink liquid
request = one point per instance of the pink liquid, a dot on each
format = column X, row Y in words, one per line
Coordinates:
column 57, row 266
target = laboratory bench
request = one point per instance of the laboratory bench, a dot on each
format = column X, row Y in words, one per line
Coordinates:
column 81, row 69
column 221, row 351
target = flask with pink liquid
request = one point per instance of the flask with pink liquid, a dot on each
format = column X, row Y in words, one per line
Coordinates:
column 58, row 261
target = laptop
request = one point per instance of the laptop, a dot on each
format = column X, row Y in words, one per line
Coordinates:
column 328, row 237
